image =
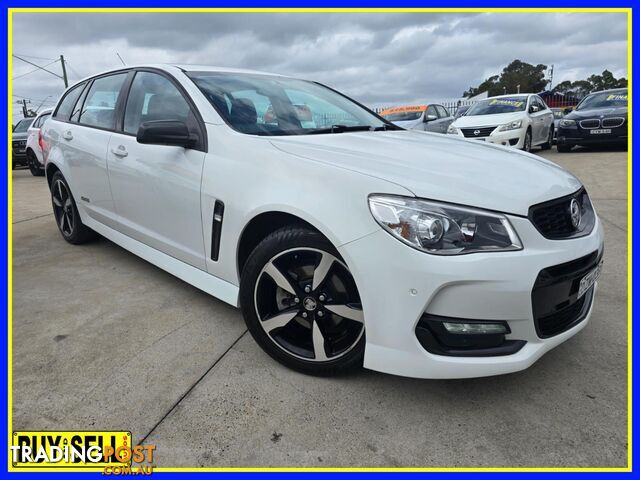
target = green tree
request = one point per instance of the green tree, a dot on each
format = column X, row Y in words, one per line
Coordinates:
column 530, row 78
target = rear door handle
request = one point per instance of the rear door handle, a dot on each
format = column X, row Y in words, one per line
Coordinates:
column 120, row 151
column 67, row 135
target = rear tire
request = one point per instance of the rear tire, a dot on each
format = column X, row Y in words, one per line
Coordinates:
column 301, row 304
column 34, row 165
column 66, row 213
column 549, row 142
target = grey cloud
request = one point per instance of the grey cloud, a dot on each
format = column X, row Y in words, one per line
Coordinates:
column 376, row 58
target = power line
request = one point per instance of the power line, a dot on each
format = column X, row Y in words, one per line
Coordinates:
column 37, row 58
column 33, row 71
column 35, row 65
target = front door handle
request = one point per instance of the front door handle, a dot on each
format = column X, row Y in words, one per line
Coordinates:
column 67, row 135
column 120, row 151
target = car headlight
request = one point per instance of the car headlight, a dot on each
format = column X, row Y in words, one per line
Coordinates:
column 453, row 130
column 566, row 122
column 441, row 228
column 510, row 126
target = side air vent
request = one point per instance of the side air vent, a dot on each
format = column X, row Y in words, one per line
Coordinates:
column 216, row 229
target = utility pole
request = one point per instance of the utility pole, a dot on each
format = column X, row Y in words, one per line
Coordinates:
column 518, row 88
column 64, row 72
column 24, row 108
column 550, row 78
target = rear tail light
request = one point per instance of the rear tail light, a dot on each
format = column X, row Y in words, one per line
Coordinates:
column 40, row 139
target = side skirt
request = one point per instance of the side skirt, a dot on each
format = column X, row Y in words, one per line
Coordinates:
column 221, row 289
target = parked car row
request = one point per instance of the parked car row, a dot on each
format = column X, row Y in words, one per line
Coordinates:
column 525, row 121
column 343, row 238
column 27, row 143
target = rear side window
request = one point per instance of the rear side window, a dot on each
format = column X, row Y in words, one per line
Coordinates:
column 40, row 121
column 66, row 105
column 99, row 108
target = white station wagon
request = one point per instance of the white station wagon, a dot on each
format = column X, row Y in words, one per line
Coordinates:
column 344, row 239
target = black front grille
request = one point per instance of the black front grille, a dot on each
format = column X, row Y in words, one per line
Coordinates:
column 591, row 123
column 477, row 132
column 555, row 302
column 612, row 122
column 565, row 318
column 553, row 219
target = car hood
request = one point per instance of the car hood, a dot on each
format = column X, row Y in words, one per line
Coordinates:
column 487, row 120
column 597, row 112
column 440, row 167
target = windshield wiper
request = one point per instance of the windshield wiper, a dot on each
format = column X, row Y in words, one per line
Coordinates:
column 341, row 129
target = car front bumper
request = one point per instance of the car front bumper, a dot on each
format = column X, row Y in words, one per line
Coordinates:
column 398, row 285
column 580, row 136
column 509, row 138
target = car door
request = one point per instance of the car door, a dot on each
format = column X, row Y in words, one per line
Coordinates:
column 537, row 116
column 445, row 118
column 548, row 119
column 85, row 134
column 431, row 125
column 156, row 188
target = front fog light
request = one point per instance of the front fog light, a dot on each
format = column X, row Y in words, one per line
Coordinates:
column 475, row 328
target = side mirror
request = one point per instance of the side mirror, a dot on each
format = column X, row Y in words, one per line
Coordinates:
column 534, row 109
column 429, row 118
column 166, row 132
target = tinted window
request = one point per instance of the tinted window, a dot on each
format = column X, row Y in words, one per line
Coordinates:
column 66, row 105
column 100, row 106
column 153, row 97
column 270, row 105
column 75, row 114
column 542, row 103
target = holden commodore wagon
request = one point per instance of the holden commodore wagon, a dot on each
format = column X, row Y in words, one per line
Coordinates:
column 344, row 239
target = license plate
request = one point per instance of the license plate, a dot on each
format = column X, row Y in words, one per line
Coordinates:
column 600, row 131
column 589, row 279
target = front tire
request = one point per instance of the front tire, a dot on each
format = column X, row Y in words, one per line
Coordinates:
column 526, row 146
column 564, row 147
column 66, row 213
column 301, row 304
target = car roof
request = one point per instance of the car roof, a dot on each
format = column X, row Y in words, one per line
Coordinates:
column 44, row 111
column 622, row 89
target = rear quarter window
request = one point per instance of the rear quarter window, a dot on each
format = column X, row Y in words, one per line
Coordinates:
column 63, row 112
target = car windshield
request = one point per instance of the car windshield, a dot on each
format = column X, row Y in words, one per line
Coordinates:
column 604, row 100
column 492, row 106
column 402, row 116
column 271, row 105
column 23, row 125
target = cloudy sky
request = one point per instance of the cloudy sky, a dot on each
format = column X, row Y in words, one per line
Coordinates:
column 379, row 59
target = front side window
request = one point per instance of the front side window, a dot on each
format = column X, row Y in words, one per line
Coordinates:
column 271, row 105
column 431, row 111
column 65, row 107
column 100, row 105
column 492, row 106
column 154, row 97
column 444, row 113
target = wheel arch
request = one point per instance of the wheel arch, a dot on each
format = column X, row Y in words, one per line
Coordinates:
column 262, row 225
column 50, row 171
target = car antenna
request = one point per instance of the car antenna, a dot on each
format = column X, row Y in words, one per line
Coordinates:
column 121, row 59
